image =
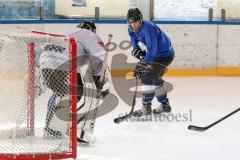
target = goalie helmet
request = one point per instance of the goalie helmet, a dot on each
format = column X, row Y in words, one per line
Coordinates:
column 133, row 15
column 88, row 25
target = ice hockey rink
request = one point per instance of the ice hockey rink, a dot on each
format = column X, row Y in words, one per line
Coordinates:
column 206, row 99
column 205, row 75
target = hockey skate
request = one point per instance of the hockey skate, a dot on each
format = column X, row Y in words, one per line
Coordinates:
column 144, row 112
column 163, row 108
column 82, row 138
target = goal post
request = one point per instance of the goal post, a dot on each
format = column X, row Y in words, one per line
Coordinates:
column 31, row 80
column 25, row 93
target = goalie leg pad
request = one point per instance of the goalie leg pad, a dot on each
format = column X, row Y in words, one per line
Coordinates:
column 58, row 116
column 51, row 109
column 85, row 136
column 80, row 87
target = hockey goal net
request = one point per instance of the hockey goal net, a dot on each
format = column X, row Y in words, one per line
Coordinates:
column 37, row 109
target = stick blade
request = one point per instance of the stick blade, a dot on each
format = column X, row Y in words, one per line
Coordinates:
column 197, row 128
column 121, row 119
column 117, row 120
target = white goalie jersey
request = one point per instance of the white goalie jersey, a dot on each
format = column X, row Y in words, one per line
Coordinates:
column 91, row 45
column 90, row 50
column 88, row 44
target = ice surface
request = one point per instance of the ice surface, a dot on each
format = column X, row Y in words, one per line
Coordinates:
column 209, row 98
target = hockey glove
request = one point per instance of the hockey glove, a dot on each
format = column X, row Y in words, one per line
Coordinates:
column 140, row 69
column 138, row 53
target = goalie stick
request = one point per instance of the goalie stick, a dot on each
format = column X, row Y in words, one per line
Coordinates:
column 201, row 129
column 93, row 115
column 125, row 117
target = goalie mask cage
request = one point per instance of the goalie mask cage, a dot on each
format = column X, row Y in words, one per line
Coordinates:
column 24, row 99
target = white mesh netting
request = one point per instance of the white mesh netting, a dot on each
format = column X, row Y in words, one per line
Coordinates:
column 35, row 101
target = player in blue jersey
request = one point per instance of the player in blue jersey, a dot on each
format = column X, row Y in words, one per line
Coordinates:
column 159, row 54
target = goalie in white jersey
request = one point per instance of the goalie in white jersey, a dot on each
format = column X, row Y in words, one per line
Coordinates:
column 52, row 61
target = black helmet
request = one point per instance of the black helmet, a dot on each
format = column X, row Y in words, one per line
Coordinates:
column 134, row 14
column 87, row 25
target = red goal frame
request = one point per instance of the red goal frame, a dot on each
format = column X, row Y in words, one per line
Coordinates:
column 73, row 95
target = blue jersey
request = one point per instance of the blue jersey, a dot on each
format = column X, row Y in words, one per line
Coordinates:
column 155, row 40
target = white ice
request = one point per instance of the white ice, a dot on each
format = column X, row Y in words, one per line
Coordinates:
column 209, row 98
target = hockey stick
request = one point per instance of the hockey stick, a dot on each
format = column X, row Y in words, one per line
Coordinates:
column 201, row 129
column 110, row 36
column 93, row 115
column 125, row 117
column 102, row 73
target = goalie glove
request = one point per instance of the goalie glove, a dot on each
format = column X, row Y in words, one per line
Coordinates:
column 138, row 53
